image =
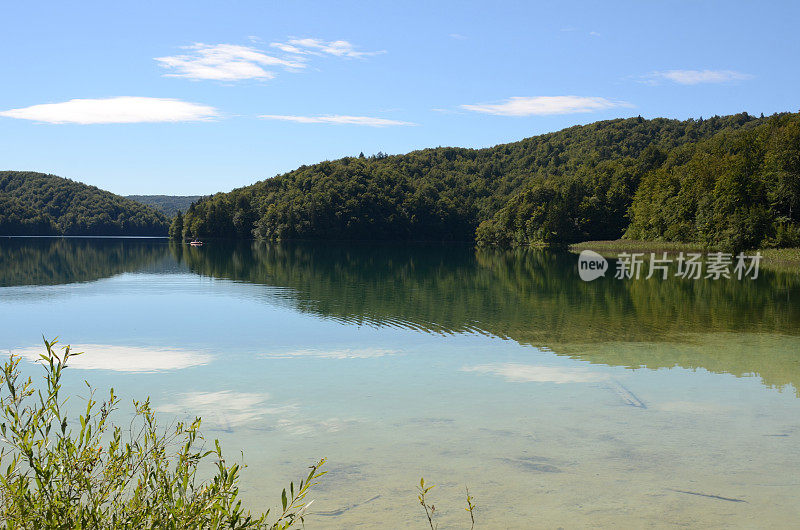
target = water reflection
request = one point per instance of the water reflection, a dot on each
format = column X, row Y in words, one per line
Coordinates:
column 343, row 353
column 528, row 373
column 416, row 382
column 224, row 409
column 533, row 297
column 119, row 358
column 230, row 411
column 536, row 298
column 54, row 261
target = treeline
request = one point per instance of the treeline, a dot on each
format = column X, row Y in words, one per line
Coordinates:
column 572, row 185
column 737, row 189
column 39, row 204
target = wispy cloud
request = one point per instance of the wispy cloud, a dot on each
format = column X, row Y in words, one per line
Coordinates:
column 225, row 62
column 133, row 359
column 233, row 62
column 366, row 121
column 338, row 48
column 572, row 29
column 546, row 105
column 115, row 110
column 529, row 373
column 457, row 36
column 695, row 77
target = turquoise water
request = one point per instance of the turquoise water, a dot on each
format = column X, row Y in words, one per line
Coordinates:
column 558, row 402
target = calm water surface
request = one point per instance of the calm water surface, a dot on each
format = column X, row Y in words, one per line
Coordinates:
column 560, row 403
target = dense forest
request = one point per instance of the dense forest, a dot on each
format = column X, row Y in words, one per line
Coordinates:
column 39, row 204
column 737, row 189
column 729, row 182
column 169, row 205
column 576, row 184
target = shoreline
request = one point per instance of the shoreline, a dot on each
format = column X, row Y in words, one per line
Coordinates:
column 784, row 259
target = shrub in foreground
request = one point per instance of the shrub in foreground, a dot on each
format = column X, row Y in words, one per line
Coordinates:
column 56, row 472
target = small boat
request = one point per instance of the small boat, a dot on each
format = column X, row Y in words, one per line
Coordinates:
column 196, row 243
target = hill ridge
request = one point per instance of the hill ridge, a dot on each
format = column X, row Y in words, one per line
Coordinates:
column 33, row 203
column 446, row 193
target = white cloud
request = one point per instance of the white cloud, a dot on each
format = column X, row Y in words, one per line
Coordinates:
column 338, row 48
column 115, row 110
column 694, row 77
column 131, row 359
column 545, row 105
column 528, row 373
column 232, row 62
column 287, row 48
column 338, row 119
column 344, row 353
column 457, row 36
column 225, row 62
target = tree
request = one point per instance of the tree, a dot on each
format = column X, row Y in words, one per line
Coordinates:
column 176, row 227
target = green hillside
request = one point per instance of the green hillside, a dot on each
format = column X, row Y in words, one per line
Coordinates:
column 739, row 188
column 39, row 204
column 169, row 205
column 730, row 182
column 571, row 185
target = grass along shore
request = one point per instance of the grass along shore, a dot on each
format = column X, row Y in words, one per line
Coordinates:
column 784, row 259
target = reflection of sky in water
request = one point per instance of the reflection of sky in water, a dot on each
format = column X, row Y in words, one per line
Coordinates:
column 344, row 353
column 527, row 373
column 123, row 358
column 543, row 436
column 228, row 410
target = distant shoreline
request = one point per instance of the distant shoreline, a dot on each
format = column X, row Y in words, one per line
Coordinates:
column 58, row 236
column 773, row 258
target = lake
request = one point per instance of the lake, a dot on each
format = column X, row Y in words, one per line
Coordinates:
column 559, row 402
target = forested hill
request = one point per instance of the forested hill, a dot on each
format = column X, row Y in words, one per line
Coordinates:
column 575, row 184
column 736, row 189
column 169, row 205
column 39, row 204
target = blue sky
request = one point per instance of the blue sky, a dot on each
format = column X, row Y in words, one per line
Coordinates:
column 198, row 97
